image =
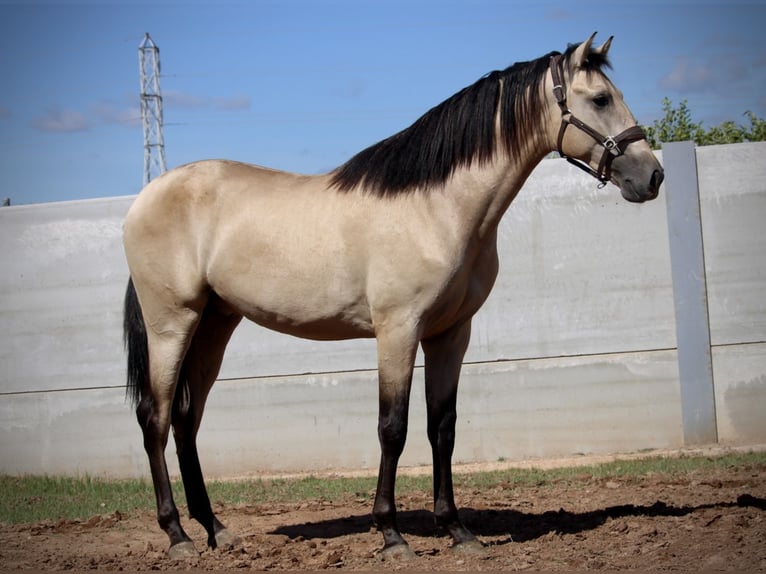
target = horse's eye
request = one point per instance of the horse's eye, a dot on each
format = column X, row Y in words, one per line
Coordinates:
column 601, row 101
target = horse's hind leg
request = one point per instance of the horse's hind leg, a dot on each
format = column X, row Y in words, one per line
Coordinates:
column 166, row 345
column 198, row 373
column 443, row 359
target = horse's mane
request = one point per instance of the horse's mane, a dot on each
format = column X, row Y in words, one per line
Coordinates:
column 458, row 132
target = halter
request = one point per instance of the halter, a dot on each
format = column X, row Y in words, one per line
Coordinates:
column 614, row 146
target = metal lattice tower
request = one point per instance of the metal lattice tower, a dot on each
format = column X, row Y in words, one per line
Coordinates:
column 151, row 109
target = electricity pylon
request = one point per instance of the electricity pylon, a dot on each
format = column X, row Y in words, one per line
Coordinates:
column 151, row 109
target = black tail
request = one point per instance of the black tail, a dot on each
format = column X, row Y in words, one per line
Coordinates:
column 134, row 337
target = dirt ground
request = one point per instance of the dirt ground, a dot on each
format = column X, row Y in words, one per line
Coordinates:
column 712, row 520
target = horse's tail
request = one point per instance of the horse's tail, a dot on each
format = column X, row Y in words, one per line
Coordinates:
column 134, row 337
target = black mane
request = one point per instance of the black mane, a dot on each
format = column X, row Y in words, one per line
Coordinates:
column 457, row 132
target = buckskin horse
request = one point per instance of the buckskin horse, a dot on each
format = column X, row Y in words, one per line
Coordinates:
column 399, row 244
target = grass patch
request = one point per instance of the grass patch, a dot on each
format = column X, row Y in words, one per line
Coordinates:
column 633, row 468
column 31, row 498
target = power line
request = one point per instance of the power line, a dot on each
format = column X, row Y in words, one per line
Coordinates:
column 151, row 109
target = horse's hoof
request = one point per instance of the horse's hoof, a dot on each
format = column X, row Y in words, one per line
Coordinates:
column 183, row 551
column 225, row 539
column 474, row 547
column 397, row 553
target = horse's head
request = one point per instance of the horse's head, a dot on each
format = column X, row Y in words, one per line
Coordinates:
column 597, row 131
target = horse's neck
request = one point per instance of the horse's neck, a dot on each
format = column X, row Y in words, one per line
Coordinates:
column 482, row 194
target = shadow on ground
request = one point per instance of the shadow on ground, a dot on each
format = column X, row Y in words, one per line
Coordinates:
column 521, row 526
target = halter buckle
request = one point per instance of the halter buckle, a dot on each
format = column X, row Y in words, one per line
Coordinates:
column 559, row 94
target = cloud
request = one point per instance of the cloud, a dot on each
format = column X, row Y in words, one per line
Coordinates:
column 59, row 120
column 62, row 121
column 110, row 113
column 106, row 112
column 181, row 100
column 190, row 101
column 233, row 103
column 688, row 76
column 711, row 75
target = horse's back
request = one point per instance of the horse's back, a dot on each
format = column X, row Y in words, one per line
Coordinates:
column 272, row 245
column 189, row 205
column 203, row 185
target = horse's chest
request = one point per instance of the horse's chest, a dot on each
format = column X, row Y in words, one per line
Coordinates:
column 465, row 292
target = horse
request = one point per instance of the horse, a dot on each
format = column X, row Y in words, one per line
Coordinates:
column 399, row 243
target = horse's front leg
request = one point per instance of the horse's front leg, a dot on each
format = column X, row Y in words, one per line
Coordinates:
column 396, row 358
column 443, row 359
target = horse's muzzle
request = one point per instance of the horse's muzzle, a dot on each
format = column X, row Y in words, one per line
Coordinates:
column 637, row 193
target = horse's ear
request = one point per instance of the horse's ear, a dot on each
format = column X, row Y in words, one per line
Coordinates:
column 603, row 50
column 582, row 51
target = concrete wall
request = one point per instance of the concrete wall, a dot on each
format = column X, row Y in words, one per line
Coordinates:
column 574, row 352
column 733, row 211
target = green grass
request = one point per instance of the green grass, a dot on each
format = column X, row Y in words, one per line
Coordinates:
column 33, row 498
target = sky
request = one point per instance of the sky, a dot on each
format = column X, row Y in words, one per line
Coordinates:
column 302, row 85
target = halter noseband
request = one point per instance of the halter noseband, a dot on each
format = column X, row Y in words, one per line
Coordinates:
column 614, row 146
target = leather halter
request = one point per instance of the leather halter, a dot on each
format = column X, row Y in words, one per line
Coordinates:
column 614, row 146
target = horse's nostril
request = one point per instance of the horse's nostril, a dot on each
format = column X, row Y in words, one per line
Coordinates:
column 657, row 176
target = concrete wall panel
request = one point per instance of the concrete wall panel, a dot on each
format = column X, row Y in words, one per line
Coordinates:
column 740, row 384
column 63, row 279
column 519, row 409
column 733, row 209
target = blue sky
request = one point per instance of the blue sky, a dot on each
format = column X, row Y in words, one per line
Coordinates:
column 302, row 85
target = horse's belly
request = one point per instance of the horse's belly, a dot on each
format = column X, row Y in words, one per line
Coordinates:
column 322, row 312
column 312, row 327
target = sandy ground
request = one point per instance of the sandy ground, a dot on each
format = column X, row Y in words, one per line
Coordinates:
column 703, row 520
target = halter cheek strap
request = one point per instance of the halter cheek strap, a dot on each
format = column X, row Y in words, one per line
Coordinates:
column 614, row 146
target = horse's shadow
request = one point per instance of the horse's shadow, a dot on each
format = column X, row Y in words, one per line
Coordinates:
column 517, row 526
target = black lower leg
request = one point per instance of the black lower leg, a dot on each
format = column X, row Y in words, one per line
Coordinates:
column 441, row 434
column 392, row 433
column 184, row 432
column 443, row 358
column 196, row 494
column 154, row 444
